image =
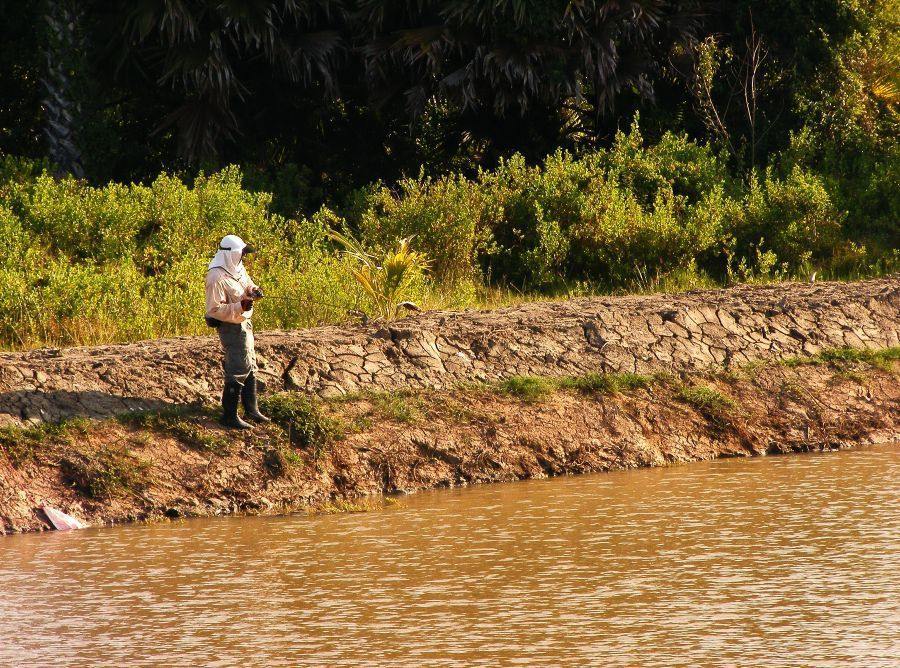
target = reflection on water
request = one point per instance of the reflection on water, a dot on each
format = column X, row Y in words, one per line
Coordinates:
column 772, row 561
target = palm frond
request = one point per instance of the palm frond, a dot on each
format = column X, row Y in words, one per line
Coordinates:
column 385, row 283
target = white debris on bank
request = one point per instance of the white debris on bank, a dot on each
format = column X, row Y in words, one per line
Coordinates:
column 61, row 521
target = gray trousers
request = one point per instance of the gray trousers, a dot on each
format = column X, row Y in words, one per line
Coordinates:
column 240, row 356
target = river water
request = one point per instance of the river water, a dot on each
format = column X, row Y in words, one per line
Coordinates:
column 773, row 561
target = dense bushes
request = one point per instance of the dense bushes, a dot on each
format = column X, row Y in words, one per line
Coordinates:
column 443, row 217
column 572, row 219
column 606, row 217
column 91, row 264
column 632, row 214
column 794, row 218
column 85, row 264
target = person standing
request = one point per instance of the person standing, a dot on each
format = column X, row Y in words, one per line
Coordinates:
column 229, row 307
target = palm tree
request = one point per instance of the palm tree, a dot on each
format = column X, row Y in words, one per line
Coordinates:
column 499, row 55
column 202, row 49
column 509, row 54
column 59, row 110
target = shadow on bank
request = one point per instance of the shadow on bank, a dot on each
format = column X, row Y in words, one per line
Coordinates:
column 24, row 406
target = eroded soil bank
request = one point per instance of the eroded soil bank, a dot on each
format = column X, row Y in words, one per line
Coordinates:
column 333, row 453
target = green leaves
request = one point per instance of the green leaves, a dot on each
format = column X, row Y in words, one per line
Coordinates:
column 386, row 280
column 514, row 54
column 506, row 56
column 202, row 50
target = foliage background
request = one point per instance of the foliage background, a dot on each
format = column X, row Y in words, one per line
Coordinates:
column 527, row 147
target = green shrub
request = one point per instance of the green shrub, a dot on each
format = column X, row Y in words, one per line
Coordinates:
column 195, row 436
column 18, row 170
column 105, row 472
column 851, row 124
column 84, row 222
column 441, row 217
column 528, row 388
column 616, row 240
column 690, row 170
column 840, row 358
column 387, row 281
column 529, row 213
column 21, row 445
column 303, row 421
column 608, row 217
column 710, row 402
column 21, row 249
column 794, row 218
column 604, row 383
column 185, row 222
column 398, row 406
column 24, row 444
column 291, row 186
column 882, row 357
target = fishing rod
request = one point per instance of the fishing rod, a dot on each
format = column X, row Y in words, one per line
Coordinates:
column 355, row 313
column 307, row 300
column 258, row 294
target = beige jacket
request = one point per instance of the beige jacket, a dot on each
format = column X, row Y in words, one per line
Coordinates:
column 224, row 295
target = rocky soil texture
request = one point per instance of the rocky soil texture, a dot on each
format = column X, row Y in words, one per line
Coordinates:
column 113, row 471
column 639, row 334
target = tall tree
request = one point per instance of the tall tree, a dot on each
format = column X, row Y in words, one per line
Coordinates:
column 510, row 55
column 21, row 67
column 59, row 110
column 202, row 50
column 505, row 57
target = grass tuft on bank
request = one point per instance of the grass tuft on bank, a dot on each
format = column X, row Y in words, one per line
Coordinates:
column 182, row 423
column 527, row 388
column 709, row 401
column 883, row 358
column 25, row 444
column 607, row 383
column 303, row 421
column 105, row 472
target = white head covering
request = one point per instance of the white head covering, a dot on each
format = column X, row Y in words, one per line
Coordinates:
column 229, row 255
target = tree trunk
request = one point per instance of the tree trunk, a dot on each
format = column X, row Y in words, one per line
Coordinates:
column 59, row 112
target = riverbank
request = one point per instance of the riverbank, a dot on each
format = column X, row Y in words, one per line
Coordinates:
column 345, row 452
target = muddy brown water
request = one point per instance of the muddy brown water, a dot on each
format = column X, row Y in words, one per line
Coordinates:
column 773, row 561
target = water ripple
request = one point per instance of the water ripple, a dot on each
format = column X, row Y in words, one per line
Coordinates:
column 764, row 562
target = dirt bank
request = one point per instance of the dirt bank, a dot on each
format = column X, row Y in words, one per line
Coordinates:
column 638, row 334
column 337, row 451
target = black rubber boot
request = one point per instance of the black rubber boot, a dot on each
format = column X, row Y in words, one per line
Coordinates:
column 249, row 396
column 230, row 397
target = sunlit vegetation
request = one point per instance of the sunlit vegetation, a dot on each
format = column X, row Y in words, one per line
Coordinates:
column 717, row 407
column 303, row 421
column 841, row 358
column 607, row 382
column 105, row 472
column 23, row 445
column 471, row 166
column 91, row 264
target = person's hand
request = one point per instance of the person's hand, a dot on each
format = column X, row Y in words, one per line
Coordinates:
column 246, row 304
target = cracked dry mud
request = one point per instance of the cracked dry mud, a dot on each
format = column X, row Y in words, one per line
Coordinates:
column 691, row 331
